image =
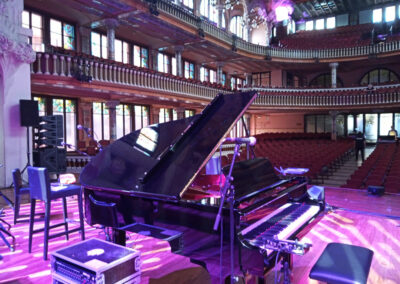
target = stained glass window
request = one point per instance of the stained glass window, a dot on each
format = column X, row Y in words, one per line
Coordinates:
column 145, row 57
column 62, row 34
column 164, row 115
column 141, row 116
column 101, row 121
column 140, row 56
column 223, row 79
column 189, row 70
column 69, row 37
column 189, row 113
column 124, row 120
column 41, row 104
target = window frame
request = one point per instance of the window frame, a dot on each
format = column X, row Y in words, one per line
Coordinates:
column 62, row 33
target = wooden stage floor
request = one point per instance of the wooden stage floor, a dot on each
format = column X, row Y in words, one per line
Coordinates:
column 361, row 219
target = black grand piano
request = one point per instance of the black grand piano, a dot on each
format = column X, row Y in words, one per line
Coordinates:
column 153, row 174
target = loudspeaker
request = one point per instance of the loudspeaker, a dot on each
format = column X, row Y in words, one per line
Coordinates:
column 29, row 112
column 376, row 190
column 50, row 131
column 54, row 159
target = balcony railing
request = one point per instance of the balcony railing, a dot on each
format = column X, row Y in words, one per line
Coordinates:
column 107, row 71
column 189, row 18
column 327, row 98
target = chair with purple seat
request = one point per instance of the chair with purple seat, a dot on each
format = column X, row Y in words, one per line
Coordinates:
column 343, row 264
column 41, row 190
column 19, row 190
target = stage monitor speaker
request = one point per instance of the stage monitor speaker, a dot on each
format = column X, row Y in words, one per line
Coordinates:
column 29, row 112
column 54, row 159
column 376, row 190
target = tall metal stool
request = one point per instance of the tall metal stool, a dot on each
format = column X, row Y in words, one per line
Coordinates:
column 41, row 190
column 343, row 264
column 19, row 190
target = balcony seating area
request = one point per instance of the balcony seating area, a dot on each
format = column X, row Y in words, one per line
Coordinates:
column 380, row 169
column 303, row 150
column 340, row 37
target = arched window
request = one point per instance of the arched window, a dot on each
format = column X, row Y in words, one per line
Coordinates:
column 208, row 10
column 379, row 76
column 325, row 81
column 236, row 27
column 187, row 3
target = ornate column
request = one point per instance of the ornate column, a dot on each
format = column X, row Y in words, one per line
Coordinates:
column 112, row 111
column 333, row 66
column 111, row 24
column 154, row 59
column 333, row 114
column 220, row 11
column 15, row 84
column 219, row 72
column 84, row 33
column 178, row 57
column 269, row 33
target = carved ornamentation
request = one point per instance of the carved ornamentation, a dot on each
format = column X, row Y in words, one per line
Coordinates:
column 21, row 50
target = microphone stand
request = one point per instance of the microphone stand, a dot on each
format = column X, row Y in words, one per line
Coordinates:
column 76, row 149
column 228, row 192
column 87, row 131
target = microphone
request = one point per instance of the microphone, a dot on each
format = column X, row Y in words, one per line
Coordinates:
column 81, row 127
column 245, row 140
column 66, row 144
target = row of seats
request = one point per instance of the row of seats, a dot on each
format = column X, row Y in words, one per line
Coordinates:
column 380, row 169
column 92, row 147
column 340, row 37
column 299, row 150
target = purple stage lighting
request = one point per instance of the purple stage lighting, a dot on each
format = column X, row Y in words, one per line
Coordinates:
column 283, row 9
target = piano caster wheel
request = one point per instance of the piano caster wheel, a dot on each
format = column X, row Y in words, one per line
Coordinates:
column 236, row 279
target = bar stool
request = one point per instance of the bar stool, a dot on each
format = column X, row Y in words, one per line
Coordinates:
column 343, row 264
column 41, row 190
column 19, row 190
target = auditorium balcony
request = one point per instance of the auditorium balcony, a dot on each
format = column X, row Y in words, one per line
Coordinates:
column 95, row 75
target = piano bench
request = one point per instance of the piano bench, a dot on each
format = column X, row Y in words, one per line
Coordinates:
column 174, row 238
column 343, row 264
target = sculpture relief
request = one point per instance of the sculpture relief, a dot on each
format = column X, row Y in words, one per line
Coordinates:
column 13, row 37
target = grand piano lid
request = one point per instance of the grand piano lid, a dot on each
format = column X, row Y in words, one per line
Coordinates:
column 159, row 162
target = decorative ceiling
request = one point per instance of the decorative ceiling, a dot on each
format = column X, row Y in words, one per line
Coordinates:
column 304, row 9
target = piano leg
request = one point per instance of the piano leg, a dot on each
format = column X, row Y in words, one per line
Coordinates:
column 119, row 236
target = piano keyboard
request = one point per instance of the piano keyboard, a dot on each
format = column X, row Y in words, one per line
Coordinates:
column 280, row 224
